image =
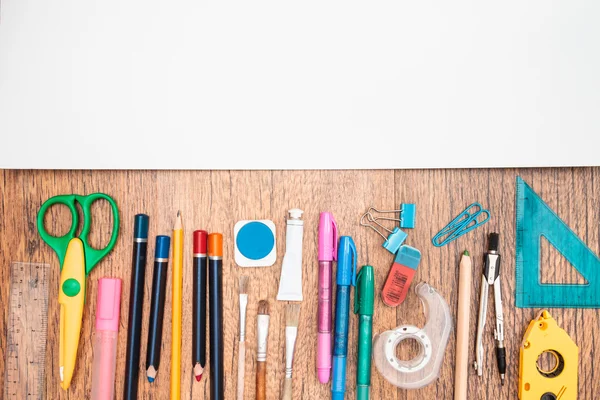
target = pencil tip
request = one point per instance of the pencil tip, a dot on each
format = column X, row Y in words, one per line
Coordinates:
column 466, row 253
column 178, row 222
column 198, row 370
column 151, row 373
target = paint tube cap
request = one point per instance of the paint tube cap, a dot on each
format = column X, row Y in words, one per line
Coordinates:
column 108, row 304
column 295, row 213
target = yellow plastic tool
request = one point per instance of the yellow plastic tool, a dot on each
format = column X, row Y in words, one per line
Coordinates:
column 560, row 383
column 71, row 310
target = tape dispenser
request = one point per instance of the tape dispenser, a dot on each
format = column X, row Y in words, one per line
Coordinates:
column 432, row 339
column 543, row 335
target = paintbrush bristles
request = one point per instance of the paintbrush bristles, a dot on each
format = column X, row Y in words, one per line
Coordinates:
column 292, row 314
column 263, row 307
column 243, row 284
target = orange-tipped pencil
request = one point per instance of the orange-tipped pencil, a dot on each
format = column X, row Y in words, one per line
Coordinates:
column 215, row 302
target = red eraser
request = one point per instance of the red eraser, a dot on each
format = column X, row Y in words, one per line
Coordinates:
column 397, row 284
column 200, row 240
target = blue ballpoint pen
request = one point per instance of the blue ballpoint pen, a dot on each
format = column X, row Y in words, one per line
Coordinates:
column 346, row 276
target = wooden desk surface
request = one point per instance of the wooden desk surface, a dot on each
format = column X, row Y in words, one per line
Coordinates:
column 216, row 200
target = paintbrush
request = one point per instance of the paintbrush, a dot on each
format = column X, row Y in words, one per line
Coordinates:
column 261, row 356
column 292, row 313
column 243, row 289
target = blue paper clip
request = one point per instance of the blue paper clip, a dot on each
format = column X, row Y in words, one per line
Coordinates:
column 464, row 223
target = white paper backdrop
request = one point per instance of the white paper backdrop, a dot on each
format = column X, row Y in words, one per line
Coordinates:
column 307, row 84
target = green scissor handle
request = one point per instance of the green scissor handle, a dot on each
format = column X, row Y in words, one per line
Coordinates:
column 60, row 243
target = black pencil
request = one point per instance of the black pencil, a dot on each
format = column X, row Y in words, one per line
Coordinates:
column 136, row 303
column 157, row 306
column 199, row 305
column 215, row 297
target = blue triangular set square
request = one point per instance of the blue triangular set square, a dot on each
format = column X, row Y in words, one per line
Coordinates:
column 536, row 220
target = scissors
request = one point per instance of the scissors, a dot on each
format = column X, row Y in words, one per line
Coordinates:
column 77, row 258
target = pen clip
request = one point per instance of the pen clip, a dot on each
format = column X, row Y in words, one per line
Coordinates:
column 357, row 292
column 335, row 238
column 353, row 251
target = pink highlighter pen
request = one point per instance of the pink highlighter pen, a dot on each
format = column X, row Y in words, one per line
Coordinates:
column 327, row 254
column 105, row 339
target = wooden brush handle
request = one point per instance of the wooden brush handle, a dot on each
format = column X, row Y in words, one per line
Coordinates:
column 287, row 389
column 241, row 370
column 261, row 380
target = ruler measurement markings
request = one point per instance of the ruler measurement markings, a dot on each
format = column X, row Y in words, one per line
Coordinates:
column 26, row 335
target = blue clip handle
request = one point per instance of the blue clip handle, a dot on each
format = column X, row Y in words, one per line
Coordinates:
column 395, row 240
column 408, row 213
column 464, row 223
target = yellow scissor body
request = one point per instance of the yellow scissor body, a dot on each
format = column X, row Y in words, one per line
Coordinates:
column 71, row 309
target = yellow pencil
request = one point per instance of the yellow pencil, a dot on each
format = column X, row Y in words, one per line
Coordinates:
column 176, row 309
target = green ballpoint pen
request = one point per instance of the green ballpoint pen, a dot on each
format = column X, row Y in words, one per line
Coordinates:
column 363, row 306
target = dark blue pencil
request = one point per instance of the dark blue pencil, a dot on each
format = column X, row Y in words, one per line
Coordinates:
column 136, row 306
column 157, row 305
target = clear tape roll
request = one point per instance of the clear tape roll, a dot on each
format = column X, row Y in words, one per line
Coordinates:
column 424, row 368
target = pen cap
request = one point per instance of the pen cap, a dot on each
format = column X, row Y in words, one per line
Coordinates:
column 200, row 241
column 108, row 304
column 162, row 247
column 327, row 237
column 140, row 226
column 364, row 296
column 346, row 271
column 215, row 245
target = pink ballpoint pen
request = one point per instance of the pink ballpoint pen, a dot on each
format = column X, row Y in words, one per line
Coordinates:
column 327, row 254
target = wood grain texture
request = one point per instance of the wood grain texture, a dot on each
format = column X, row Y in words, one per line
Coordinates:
column 215, row 200
column 261, row 381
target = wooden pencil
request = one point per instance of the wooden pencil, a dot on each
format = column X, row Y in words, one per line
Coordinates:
column 176, row 309
column 462, row 328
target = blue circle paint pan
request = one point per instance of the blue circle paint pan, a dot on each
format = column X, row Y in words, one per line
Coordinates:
column 255, row 243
